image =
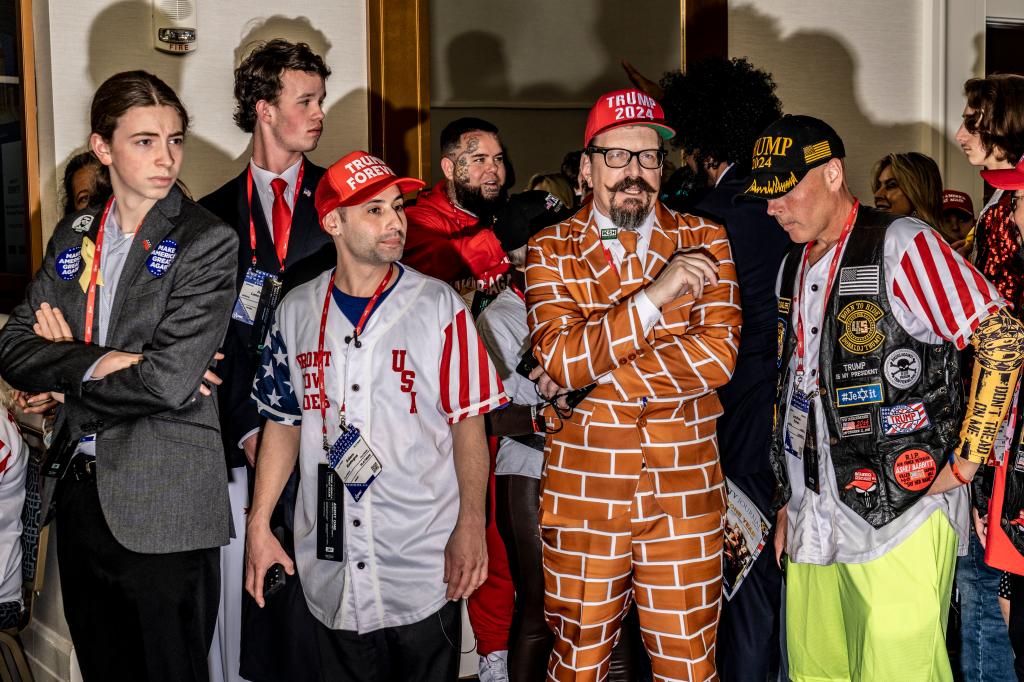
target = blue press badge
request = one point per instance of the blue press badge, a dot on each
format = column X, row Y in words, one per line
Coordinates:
column 162, row 257
column 68, row 263
column 354, row 462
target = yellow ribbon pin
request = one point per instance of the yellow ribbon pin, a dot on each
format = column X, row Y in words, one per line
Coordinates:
column 88, row 253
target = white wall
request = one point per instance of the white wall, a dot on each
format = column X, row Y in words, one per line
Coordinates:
column 860, row 66
column 82, row 42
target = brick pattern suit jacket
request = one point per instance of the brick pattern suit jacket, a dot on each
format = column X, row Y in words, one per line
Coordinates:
column 585, row 325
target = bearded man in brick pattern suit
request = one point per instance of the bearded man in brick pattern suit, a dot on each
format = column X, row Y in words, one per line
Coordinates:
column 643, row 302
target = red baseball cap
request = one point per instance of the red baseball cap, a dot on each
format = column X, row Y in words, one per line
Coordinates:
column 629, row 107
column 1006, row 178
column 355, row 179
column 953, row 200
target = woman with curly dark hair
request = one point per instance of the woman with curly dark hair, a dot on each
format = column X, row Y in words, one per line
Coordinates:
column 86, row 183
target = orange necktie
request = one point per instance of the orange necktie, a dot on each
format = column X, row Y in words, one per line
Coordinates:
column 630, row 270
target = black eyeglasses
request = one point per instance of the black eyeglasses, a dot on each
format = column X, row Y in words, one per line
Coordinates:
column 1014, row 198
column 650, row 159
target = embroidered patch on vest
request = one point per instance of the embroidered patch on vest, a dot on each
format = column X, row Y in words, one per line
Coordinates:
column 902, row 368
column 784, row 306
column 864, row 481
column 906, row 418
column 859, row 395
column 855, row 425
column 857, row 371
column 859, row 281
column 914, row 470
column 860, row 327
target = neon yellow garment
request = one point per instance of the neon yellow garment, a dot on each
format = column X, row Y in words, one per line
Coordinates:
column 880, row 621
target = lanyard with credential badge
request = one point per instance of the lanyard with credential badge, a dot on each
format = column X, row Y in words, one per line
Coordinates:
column 282, row 253
column 801, row 421
column 90, row 298
column 350, row 456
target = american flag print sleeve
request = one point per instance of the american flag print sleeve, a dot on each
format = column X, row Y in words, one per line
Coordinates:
column 469, row 383
column 272, row 388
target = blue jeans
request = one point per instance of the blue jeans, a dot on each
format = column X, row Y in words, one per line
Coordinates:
column 985, row 654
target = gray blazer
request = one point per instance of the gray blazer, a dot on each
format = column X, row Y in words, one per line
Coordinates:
column 159, row 463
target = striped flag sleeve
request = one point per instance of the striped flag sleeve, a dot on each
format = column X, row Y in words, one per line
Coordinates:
column 941, row 288
column 469, row 384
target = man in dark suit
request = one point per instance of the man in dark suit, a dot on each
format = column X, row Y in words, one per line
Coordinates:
column 279, row 92
column 719, row 106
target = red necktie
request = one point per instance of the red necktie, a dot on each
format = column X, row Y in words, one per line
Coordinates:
column 282, row 217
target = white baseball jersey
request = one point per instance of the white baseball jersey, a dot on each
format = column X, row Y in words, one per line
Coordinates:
column 13, row 462
column 421, row 367
column 937, row 297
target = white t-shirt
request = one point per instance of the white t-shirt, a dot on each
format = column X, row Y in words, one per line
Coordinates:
column 13, row 467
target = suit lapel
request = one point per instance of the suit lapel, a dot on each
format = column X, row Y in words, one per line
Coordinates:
column 663, row 241
column 305, row 221
column 155, row 227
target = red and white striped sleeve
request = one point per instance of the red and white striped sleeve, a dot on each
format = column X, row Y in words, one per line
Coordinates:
column 469, row 383
column 942, row 289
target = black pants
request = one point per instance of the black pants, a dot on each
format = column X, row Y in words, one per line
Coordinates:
column 748, row 630
column 530, row 639
column 132, row 616
column 426, row 651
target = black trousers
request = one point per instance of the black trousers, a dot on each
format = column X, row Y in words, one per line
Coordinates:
column 132, row 616
column 748, row 630
column 530, row 640
column 426, row 651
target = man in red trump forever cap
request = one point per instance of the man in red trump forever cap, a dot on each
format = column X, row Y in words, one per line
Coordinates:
column 642, row 302
column 373, row 377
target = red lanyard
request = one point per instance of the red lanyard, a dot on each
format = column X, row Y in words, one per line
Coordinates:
column 828, row 284
column 355, row 335
column 90, row 300
column 517, row 291
column 608, row 257
column 288, row 232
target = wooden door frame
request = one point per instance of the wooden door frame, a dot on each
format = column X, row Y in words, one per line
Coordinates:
column 398, row 64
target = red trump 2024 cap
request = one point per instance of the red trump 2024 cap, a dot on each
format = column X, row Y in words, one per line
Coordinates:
column 629, row 107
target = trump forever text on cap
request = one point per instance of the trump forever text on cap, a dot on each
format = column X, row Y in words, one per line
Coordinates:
column 355, row 179
column 629, row 107
column 786, row 151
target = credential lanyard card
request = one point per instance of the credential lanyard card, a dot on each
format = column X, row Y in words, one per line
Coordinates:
column 811, row 467
column 249, row 297
column 269, row 298
column 355, row 463
column 330, row 509
column 796, row 424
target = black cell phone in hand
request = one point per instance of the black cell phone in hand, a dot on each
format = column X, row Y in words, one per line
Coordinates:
column 274, row 580
column 526, row 364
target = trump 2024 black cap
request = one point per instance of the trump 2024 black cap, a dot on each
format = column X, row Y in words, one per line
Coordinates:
column 786, row 151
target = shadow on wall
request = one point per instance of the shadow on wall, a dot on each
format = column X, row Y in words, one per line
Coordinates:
column 816, row 72
column 817, row 75
column 477, row 70
column 203, row 159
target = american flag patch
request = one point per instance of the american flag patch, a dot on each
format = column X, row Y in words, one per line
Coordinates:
column 814, row 152
column 906, row 418
column 859, row 281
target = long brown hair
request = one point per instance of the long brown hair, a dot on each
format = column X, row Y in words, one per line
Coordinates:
column 127, row 90
column 998, row 104
column 919, row 178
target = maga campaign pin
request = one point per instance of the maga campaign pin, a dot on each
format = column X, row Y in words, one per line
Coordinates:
column 162, row 257
column 68, row 263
